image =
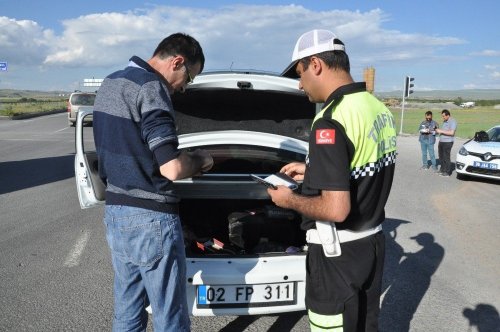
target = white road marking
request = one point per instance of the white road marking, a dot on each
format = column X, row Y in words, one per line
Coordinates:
column 73, row 258
column 65, row 128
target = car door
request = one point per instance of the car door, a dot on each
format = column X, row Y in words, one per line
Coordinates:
column 89, row 186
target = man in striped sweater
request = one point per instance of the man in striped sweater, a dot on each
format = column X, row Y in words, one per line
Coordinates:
column 138, row 155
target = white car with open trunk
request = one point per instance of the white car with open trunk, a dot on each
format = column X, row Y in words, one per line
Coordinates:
column 245, row 256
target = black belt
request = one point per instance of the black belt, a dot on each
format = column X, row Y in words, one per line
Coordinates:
column 148, row 204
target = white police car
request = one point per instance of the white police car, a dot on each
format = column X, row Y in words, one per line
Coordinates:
column 245, row 256
column 480, row 156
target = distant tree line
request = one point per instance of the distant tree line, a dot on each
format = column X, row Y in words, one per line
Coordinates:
column 457, row 101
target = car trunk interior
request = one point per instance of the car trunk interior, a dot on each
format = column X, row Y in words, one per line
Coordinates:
column 244, row 227
column 239, row 213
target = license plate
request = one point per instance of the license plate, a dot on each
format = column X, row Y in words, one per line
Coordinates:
column 234, row 296
column 481, row 164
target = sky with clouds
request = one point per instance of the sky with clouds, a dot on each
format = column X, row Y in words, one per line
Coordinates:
column 445, row 45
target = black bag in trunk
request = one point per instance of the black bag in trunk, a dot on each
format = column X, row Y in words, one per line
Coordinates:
column 278, row 228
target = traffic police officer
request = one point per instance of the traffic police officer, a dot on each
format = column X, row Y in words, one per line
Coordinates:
column 347, row 178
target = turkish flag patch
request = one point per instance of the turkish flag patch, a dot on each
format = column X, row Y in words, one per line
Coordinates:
column 325, row 136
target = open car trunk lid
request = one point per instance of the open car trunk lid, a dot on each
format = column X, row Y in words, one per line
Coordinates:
column 261, row 103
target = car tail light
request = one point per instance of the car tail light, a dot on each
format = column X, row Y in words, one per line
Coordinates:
column 69, row 107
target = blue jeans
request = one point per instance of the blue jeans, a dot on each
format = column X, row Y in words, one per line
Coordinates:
column 428, row 148
column 149, row 261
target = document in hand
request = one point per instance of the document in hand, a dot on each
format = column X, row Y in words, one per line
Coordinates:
column 277, row 179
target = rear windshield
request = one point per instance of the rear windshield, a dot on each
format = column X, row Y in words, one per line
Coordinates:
column 83, row 99
column 246, row 159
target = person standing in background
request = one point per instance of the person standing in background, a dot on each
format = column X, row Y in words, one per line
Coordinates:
column 446, row 139
column 427, row 140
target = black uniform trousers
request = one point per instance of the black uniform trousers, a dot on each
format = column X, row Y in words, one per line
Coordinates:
column 444, row 152
column 349, row 284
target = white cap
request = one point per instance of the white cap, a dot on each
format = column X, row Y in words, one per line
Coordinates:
column 310, row 43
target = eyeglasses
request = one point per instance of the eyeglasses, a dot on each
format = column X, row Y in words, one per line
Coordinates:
column 189, row 79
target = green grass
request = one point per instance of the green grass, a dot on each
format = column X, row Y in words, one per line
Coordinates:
column 10, row 108
column 468, row 120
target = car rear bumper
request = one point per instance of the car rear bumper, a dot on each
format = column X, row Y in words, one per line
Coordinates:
column 286, row 270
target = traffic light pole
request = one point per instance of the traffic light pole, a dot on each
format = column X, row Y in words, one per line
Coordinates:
column 402, row 112
column 406, row 93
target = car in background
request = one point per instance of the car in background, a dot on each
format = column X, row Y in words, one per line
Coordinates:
column 79, row 101
column 245, row 256
column 480, row 156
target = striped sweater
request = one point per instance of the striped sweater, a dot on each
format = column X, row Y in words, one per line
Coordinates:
column 134, row 133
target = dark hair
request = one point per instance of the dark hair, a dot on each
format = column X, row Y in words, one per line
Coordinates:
column 181, row 44
column 333, row 59
column 445, row 112
column 428, row 113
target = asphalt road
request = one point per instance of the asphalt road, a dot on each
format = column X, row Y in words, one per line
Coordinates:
column 55, row 269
